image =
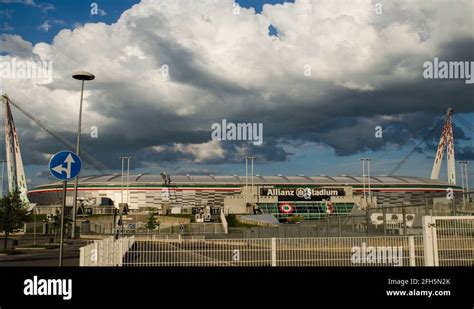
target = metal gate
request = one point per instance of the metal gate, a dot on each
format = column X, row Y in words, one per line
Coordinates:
column 448, row 240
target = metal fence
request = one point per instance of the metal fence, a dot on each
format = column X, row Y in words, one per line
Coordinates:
column 450, row 240
column 106, row 252
column 349, row 226
column 345, row 251
column 225, row 226
column 446, row 241
column 350, row 251
column 189, row 228
column 377, row 221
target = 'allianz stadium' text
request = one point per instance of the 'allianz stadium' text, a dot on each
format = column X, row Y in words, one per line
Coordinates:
column 299, row 192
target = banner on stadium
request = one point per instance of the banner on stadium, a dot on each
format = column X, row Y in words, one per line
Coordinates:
column 302, row 194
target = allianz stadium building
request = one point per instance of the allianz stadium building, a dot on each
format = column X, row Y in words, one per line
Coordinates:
column 279, row 195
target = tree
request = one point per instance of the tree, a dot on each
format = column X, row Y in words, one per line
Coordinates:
column 152, row 222
column 13, row 214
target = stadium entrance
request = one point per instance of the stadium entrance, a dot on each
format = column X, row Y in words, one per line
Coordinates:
column 294, row 203
column 296, row 211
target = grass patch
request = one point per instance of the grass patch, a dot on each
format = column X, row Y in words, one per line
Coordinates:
column 186, row 216
column 179, row 215
column 39, row 218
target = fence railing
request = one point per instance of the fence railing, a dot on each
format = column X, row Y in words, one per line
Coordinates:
column 189, row 228
column 224, row 222
column 446, row 241
column 450, row 240
column 106, row 252
column 344, row 251
column 386, row 221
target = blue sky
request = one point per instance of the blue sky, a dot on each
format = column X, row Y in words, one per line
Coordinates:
column 29, row 20
column 40, row 21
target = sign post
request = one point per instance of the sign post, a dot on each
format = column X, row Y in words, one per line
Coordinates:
column 64, row 166
column 61, row 242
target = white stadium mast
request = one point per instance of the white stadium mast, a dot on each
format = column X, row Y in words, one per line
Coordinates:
column 16, row 171
column 446, row 141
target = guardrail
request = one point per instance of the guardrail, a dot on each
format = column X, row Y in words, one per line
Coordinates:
column 331, row 251
column 446, row 241
column 224, row 222
column 188, row 228
column 106, row 252
column 449, row 240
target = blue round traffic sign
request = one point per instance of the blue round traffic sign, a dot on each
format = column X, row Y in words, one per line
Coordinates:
column 65, row 165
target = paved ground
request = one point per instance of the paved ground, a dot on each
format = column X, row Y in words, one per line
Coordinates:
column 48, row 257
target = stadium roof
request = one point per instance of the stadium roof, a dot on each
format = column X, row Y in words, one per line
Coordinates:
column 257, row 179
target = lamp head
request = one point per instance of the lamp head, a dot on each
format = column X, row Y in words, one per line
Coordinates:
column 83, row 75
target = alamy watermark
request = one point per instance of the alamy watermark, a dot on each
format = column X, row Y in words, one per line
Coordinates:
column 449, row 70
column 48, row 287
column 229, row 131
column 20, row 69
column 377, row 255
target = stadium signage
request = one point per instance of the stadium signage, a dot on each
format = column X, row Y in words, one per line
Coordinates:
column 287, row 194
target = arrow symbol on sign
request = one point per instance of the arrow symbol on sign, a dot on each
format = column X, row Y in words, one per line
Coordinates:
column 60, row 169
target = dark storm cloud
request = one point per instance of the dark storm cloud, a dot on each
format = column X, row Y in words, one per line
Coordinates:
column 14, row 45
column 234, row 151
column 465, row 153
column 185, row 69
column 460, row 49
column 344, row 120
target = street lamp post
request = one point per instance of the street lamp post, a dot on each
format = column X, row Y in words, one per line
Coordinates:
column 246, row 179
column 252, row 158
column 368, row 179
column 122, row 158
column 35, row 211
column 468, row 194
column 128, row 181
column 362, row 160
column 462, row 184
column 82, row 76
column 128, row 193
column 364, row 176
column 465, row 183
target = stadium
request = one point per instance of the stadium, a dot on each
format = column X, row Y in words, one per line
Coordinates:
column 280, row 195
column 309, row 197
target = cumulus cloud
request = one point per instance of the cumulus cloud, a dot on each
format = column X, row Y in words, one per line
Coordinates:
column 202, row 152
column 48, row 24
column 6, row 27
column 165, row 71
column 45, row 26
column 14, row 45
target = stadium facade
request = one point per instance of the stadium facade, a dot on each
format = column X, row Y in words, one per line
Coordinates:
column 312, row 197
column 283, row 196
